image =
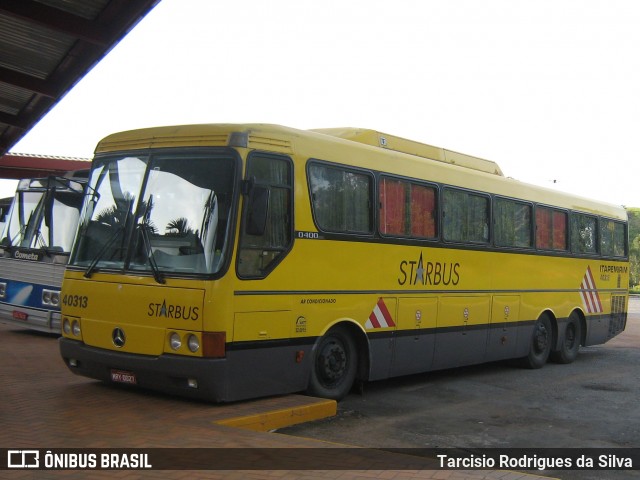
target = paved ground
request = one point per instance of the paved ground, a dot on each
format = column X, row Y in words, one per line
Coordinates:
column 591, row 403
column 43, row 405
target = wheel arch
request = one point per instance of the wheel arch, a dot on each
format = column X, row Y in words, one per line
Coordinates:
column 361, row 340
column 558, row 336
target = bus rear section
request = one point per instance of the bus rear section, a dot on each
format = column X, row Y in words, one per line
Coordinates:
column 34, row 250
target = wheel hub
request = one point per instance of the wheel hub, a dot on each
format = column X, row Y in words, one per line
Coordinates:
column 542, row 338
column 570, row 336
column 333, row 362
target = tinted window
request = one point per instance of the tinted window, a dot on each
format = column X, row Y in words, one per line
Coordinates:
column 261, row 251
column 583, row 233
column 612, row 238
column 512, row 223
column 465, row 216
column 341, row 199
column 407, row 209
column 551, row 229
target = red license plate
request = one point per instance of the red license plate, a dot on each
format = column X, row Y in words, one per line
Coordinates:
column 122, row 376
column 18, row 315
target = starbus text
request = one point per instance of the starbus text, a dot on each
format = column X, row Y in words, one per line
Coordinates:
column 428, row 273
column 173, row 311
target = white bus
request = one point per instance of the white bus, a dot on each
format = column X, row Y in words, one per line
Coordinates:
column 34, row 249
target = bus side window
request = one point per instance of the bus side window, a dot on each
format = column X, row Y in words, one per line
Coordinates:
column 466, row 216
column 612, row 238
column 551, row 229
column 407, row 209
column 513, row 223
column 261, row 249
column 584, row 234
column 341, row 199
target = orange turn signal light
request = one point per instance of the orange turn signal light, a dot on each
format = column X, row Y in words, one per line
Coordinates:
column 214, row 344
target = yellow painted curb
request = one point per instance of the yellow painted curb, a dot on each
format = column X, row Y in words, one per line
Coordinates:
column 285, row 417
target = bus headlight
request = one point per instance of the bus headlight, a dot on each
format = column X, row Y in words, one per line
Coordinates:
column 50, row 297
column 175, row 342
column 193, row 343
column 71, row 326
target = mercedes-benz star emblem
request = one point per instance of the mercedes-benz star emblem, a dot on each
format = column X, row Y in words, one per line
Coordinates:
column 118, row 337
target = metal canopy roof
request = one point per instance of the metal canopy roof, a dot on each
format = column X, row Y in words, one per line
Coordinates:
column 47, row 46
column 20, row 165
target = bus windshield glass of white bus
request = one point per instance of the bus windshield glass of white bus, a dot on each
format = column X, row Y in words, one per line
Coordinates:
column 44, row 215
column 163, row 214
column 59, row 223
column 23, row 219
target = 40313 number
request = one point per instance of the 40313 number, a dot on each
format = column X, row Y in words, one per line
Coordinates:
column 79, row 301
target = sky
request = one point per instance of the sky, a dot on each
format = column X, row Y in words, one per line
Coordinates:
column 548, row 89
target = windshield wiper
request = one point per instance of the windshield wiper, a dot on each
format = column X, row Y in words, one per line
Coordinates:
column 109, row 242
column 144, row 228
column 20, row 236
column 103, row 250
column 157, row 275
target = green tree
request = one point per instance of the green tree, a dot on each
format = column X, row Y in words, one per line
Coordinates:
column 179, row 226
column 634, row 246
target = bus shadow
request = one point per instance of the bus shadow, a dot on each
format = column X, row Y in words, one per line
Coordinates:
column 490, row 372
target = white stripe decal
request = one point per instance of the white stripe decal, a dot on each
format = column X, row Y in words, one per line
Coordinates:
column 589, row 293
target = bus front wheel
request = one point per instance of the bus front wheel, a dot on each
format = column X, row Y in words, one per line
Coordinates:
column 334, row 365
column 540, row 344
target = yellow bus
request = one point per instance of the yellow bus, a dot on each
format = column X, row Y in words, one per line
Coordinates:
column 225, row 262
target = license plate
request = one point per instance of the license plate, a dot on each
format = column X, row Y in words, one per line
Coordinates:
column 18, row 315
column 121, row 376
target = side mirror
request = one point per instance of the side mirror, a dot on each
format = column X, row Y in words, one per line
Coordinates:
column 257, row 210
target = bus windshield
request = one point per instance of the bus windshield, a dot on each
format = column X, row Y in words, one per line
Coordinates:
column 164, row 213
column 44, row 215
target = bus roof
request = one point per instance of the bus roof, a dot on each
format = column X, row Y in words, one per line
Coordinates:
column 399, row 144
column 221, row 134
column 456, row 169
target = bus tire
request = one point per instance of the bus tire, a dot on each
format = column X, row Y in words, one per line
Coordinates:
column 570, row 345
column 540, row 343
column 335, row 364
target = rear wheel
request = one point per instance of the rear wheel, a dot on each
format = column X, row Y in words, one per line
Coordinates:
column 570, row 346
column 540, row 344
column 334, row 365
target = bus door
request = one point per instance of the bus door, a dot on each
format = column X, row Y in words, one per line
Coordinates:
column 461, row 337
column 415, row 336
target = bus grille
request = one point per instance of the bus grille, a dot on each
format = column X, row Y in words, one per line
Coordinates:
column 618, row 319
